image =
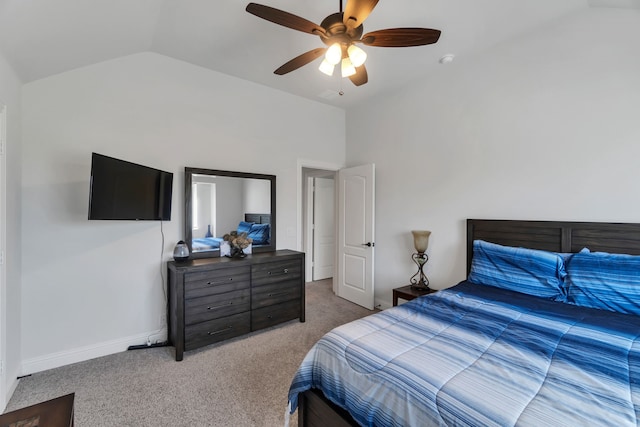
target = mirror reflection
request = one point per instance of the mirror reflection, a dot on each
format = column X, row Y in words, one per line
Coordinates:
column 218, row 202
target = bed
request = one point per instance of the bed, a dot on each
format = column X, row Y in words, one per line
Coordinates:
column 562, row 349
column 256, row 225
column 206, row 243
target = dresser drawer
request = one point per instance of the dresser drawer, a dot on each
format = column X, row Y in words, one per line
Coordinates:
column 216, row 281
column 274, row 314
column 215, row 306
column 214, row 299
column 212, row 331
column 263, row 274
column 275, row 293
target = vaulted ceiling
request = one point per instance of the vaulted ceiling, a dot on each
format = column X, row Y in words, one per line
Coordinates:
column 41, row 38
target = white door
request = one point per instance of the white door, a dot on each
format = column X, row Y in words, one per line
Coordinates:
column 356, row 244
column 323, row 228
column 3, row 230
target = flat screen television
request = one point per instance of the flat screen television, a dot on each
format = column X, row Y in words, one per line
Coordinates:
column 123, row 190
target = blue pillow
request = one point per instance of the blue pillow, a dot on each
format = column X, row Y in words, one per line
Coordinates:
column 605, row 281
column 260, row 234
column 529, row 271
column 244, row 227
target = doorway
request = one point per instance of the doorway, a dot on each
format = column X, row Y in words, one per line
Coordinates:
column 353, row 221
column 319, row 223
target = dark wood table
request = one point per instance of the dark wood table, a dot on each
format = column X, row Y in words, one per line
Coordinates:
column 56, row 412
column 408, row 293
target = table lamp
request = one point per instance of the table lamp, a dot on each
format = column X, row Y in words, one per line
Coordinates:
column 421, row 242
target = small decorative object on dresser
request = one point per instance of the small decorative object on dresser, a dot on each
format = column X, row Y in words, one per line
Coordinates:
column 213, row 299
column 181, row 251
column 420, row 242
column 238, row 244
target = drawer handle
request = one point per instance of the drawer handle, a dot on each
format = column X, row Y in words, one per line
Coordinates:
column 269, row 316
column 221, row 331
column 218, row 306
column 211, row 282
column 285, row 271
column 278, row 294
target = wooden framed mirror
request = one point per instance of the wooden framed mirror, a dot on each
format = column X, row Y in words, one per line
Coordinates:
column 218, row 202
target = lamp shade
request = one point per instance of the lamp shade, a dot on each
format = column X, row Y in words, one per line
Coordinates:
column 356, row 55
column 347, row 68
column 421, row 240
column 326, row 67
column 334, row 54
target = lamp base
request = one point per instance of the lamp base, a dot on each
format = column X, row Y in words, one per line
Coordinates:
column 421, row 286
column 420, row 280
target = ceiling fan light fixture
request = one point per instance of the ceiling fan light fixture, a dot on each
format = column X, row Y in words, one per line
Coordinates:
column 356, row 55
column 326, row 67
column 339, row 32
column 334, row 54
column 347, row 68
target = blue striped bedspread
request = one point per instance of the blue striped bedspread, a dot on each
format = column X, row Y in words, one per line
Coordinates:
column 206, row 243
column 477, row 355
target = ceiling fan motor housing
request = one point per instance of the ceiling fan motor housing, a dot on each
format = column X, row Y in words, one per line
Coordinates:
column 337, row 32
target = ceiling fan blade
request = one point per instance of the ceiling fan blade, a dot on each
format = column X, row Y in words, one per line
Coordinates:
column 360, row 77
column 401, row 37
column 300, row 60
column 356, row 11
column 283, row 18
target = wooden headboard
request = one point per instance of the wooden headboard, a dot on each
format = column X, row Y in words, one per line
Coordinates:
column 258, row 218
column 555, row 236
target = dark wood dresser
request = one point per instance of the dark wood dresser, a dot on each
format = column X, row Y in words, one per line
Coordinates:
column 214, row 299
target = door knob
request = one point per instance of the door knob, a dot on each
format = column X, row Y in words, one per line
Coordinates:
column 369, row 244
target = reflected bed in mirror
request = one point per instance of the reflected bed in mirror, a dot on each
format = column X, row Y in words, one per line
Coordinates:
column 218, row 202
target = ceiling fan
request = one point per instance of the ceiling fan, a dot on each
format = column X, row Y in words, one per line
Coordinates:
column 341, row 32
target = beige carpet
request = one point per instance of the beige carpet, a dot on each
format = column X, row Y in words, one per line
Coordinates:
column 241, row 382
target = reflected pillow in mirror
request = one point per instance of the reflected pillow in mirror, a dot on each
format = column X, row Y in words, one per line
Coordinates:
column 260, row 234
column 244, row 227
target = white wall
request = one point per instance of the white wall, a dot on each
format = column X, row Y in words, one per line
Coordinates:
column 229, row 204
column 257, row 194
column 544, row 127
column 94, row 287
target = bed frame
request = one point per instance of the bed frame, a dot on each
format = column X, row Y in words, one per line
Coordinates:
column 558, row 236
column 258, row 218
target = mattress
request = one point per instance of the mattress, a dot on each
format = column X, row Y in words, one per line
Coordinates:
column 479, row 355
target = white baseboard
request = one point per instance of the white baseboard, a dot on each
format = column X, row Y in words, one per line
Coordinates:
column 80, row 354
column 382, row 304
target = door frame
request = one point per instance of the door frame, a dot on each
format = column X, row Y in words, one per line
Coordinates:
column 301, row 183
column 310, row 211
column 3, row 261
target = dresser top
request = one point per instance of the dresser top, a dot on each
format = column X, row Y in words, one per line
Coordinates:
column 257, row 258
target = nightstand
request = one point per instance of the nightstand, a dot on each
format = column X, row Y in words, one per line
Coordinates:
column 408, row 293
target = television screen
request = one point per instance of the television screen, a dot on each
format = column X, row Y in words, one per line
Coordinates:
column 128, row 191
